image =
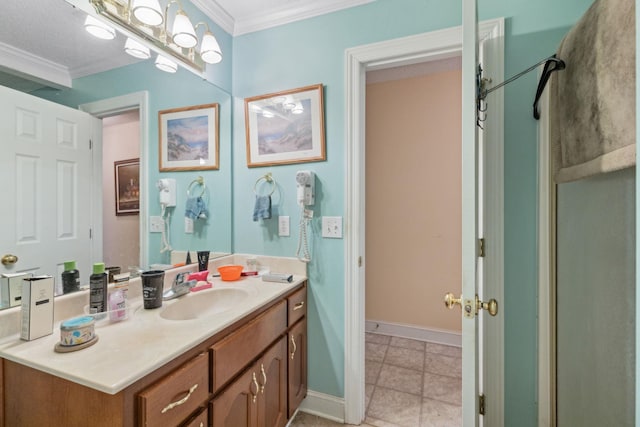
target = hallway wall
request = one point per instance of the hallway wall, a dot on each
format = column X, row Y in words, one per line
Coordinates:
column 413, row 200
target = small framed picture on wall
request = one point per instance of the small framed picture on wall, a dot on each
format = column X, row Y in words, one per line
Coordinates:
column 285, row 127
column 127, row 182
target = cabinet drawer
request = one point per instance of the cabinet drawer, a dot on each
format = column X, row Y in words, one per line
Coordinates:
column 238, row 349
column 199, row 420
column 173, row 398
column 297, row 305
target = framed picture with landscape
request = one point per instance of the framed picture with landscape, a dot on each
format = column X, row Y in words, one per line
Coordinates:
column 127, row 182
column 285, row 127
column 188, row 138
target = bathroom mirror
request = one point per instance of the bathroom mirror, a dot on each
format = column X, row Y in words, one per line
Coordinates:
column 128, row 75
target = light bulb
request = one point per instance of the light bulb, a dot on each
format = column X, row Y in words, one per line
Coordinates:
column 136, row 49
column 98, row 28
column 148, row 12
column 183, row 34
column 165, row 64
column 210, row 49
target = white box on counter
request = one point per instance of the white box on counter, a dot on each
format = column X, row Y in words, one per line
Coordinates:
column 37, row 307
column 11, row 288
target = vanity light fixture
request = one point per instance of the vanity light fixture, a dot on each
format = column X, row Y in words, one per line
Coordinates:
column 99, row 28
column 136, row 49
column 165, row 64
column 145, row 22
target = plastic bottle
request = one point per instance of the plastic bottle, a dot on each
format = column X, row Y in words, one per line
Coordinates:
column 70, row 277
column 98, row 289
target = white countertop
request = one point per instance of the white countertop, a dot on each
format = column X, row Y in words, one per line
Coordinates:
column 128, row 350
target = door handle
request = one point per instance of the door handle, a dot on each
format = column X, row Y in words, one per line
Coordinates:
column 9, row 259
column 491, row 306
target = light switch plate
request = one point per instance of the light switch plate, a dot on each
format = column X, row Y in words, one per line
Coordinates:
column 332, row 227
column 156, row 224
column 283, row 226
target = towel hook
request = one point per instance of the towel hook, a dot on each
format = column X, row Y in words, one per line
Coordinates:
column 269, row 179
column 198, row 181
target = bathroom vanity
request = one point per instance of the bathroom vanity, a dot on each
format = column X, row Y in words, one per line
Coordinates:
column 245, row 366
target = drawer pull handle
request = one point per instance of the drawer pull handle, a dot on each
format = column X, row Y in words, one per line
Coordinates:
column 255, row 381
column 170, row 406
column 264, row 378
column 293, row 343
column 298, row 306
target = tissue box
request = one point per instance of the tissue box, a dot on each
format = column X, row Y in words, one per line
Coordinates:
column 37, row 307
column 11, row 288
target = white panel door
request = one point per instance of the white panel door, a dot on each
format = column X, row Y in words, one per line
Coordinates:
column 470, row 330
column 46, row 174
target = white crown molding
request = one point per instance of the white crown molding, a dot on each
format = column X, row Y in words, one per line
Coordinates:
column 216, row 13
column 276, row 17
column 35, row 68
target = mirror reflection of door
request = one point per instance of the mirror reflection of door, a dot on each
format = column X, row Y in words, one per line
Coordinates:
column 121, row 222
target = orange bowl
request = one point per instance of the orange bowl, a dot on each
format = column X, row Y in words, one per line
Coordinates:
column 230, row 272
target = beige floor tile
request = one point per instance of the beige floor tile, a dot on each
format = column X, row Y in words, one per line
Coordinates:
column 377, row 338
column 375, row 352
column 368, row 392
column 407, row 343
column 447, row 350
column 400, row 379
column 371, row 371
column 439, row 414
column 379, row 423
column 391, row 406
column 443, row 365
column 444, row 389
column 405, row 358
column 302, row 419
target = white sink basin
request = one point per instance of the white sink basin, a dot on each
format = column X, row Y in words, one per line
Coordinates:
column 201, row 304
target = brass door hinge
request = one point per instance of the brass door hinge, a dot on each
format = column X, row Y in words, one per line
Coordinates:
column 481, row 402
column 481, row 247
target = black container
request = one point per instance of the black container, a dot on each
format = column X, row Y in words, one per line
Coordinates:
column 70, row 278
column 203, row 260
column 98, row 289
column 152, row 287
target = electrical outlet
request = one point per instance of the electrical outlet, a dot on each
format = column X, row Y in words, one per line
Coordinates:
column 156, row 224
column 283, row 226
column 332, row 227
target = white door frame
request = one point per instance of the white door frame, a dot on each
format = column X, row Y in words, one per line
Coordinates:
column 405, row 51
column 110, row 107
column 546, row 273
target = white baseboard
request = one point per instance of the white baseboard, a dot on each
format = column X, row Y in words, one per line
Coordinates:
column 323, row 405
column 414, row 332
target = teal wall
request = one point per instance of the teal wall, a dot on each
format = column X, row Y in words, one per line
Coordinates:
column 312, row 51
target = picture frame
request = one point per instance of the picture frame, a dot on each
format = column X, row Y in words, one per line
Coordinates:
column 127, row 186
column 189, row 138
column 285, row 127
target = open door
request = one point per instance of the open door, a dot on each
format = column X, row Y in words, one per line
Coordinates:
column 471, row 305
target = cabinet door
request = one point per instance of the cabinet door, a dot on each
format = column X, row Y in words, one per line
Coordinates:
column 272, row 369
column 201, row 419
column 297, row 359
column 237, row 406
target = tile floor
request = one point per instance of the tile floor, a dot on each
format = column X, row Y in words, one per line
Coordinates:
column 409, row 383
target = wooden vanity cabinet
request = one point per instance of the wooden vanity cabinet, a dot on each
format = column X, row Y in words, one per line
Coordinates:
column 258, row 397
column 245, row 376
column 297, row 370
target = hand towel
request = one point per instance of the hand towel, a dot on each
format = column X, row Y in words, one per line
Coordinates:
column 195, row 208
column 592, row 102
column 262, row 209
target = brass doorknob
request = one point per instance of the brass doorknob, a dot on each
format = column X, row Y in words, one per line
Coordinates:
column 450, row 300
column 491, row 306
column 9, row 259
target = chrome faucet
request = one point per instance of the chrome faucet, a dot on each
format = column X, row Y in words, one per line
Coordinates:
column 179, row 287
